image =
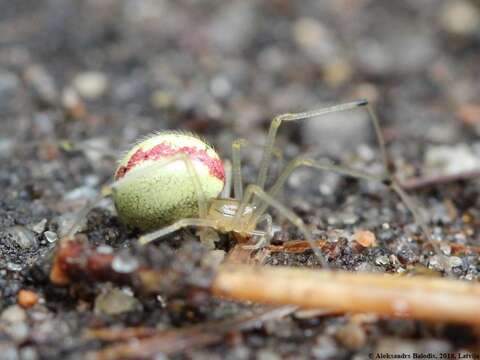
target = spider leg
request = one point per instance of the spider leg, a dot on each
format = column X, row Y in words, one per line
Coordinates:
column 144, row 239
column 254, row 190
column 278, row 120
column 259, row 244
column 227, row 188
column 265, row 236
column 378, row 134
column 388, row 179
column 325, row 165
column 269, row 225
column 237, row 166
column 85, row 210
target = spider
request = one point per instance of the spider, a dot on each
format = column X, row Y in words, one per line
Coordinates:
column 182, row 183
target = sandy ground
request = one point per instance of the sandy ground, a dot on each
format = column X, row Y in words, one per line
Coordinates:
column 100, row 74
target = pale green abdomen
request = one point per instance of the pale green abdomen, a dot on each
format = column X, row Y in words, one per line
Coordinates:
column 160, row 199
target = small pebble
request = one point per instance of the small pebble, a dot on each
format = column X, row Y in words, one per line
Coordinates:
column 14, row 267
column 90, row 84
column 72, row 103
column 40, row 226
column 365, row 238
column 337, row 72
column 95, row 150
column 67, row 220
column 6, row 147
column 114, row 302
column 325, row 348
column 438, row 262
column 382, row 260
column 81, row 193
column 124, row 263
column 104, row 249
column 18, row 331
column 28, row 353
column 460, row 238
column 352, row 336
column 9, row 352
column 9, row 84
column 348, row 218
column 316, row 40
column 13, row 313
column 161, row 99
column 459, row 17
column 240, row 18
column 446, row 249
column 23, row 237
column 454, row 261
column 469, row 114
column 266, row 354
column 445, row 159
column 239, row 352
column 42, row 84
column 51, row 236
column 27, row 298
column 220, row 87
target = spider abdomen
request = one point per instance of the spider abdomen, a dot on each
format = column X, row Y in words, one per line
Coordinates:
column 152, row 196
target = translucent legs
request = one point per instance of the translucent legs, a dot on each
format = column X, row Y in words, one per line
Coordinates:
column 387, row 178
column 84, row 212
column 278, row 120
column 264, row 236
column 144, row 239
column 227, row 189
column 254, row 190
column 305, row 161
column 411, row 205
column 237, row 168
column 237, row 165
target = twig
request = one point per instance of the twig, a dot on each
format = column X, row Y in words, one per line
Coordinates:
column 421, row 182
column 172, row 342
column 413, row 297
column 417, row 297
column 297, row 246
column 241, row 255
column 121, row 334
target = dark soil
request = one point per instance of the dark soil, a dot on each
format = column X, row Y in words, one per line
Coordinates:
column 100, row 74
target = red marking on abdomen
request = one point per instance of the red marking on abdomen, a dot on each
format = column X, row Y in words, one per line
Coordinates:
column 163, row 150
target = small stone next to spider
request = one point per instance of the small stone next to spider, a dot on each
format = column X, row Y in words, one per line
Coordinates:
column 154, row 186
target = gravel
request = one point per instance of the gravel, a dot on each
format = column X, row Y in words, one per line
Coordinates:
column 103, row 73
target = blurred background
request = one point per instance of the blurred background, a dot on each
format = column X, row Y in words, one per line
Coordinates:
column 105, row 72
column 123, row 68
